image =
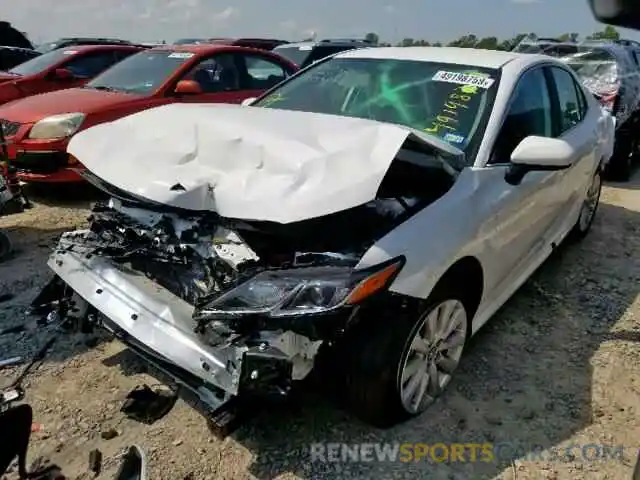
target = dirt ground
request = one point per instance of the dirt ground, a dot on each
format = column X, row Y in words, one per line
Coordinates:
column 556, row 368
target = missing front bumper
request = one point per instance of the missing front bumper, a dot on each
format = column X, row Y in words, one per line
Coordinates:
column 158, row 326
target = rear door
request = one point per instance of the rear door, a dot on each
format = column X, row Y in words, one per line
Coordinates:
column 259, row 73
column 578, row 125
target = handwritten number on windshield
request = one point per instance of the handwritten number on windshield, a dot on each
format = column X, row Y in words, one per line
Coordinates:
column 448, row 115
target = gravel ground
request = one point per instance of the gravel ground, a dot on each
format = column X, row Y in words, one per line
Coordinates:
column 555, row 368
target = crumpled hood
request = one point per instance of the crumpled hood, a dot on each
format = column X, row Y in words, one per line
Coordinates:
column 245, row 162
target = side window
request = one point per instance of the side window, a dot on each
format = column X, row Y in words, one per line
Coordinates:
column 529, row 114
column 90, row 65
column 568, row 101
column 262, row 73
column 216, row 74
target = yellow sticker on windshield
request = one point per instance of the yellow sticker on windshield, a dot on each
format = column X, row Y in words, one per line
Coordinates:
column 470, row 89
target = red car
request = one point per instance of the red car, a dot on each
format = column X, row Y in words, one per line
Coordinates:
column 39, row 127
column 58, row 69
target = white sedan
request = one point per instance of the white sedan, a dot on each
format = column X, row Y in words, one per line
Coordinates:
column 379, row 206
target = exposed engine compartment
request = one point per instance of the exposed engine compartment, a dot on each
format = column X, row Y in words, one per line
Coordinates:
column 234, row 306
column 198, row 255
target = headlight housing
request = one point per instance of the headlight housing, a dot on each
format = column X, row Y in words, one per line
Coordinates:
column 57, row 126
column 301, row 291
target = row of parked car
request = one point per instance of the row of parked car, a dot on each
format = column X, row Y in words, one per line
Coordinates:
column 611, row 72
column 72, row 84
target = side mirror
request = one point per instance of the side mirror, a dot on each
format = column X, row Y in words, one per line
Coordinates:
column 63, row 74
column 187, row 87
column 248, row 101
column 538, row 154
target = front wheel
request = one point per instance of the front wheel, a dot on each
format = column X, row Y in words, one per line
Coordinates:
column 401, row 364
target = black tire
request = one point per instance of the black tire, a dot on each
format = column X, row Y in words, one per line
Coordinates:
column 374, row 355
column 581, row 229
column 5, row 246
column 620, row 165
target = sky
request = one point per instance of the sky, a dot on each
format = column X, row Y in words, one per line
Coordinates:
column 433, row 20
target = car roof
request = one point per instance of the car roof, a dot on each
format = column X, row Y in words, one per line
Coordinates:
column 89, row 48
column 202, row 48
column 457, row 55
column 327, row 43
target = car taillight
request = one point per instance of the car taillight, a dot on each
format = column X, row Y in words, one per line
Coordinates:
column 608, row 101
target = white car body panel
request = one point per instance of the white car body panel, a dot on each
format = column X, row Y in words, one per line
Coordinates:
column 286, row 166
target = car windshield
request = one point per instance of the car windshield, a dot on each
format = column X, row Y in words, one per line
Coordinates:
column 47, row 47
column 142, row 73
column 450, row 101
column 597, row 68
column 42, row 62
column 295, row 55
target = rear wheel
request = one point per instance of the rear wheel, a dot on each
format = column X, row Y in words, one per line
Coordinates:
column 620, row 165
column 402, row 363
column 589, row 208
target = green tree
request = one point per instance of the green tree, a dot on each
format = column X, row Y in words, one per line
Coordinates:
column 609, row 33
column 569, row 37
column 488, row 43
column 372, row 37
column 466, row 41
column 407, row 42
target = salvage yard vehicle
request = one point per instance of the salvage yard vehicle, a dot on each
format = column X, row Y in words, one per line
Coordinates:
column 13, row 56
column 375, row 209
column 261, row 43
column 59, row 69
column 610, row 69
column 304, row 54
column 612, row 73
column 43, row 124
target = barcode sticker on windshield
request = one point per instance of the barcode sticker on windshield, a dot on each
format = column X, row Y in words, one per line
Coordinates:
column 70, row 52
column 463, row 79
column 181, row 55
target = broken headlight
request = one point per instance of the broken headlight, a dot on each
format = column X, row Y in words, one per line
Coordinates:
column 301, row 291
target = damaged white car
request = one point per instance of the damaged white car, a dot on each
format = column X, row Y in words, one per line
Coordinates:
column 378, row 207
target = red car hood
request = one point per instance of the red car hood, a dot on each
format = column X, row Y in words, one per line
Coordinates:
column 84, row 100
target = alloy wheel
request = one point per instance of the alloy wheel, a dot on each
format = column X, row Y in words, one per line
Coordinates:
column 433, row 355
column 590, row 204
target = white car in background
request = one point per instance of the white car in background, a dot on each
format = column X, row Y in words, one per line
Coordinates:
column 380, row 205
